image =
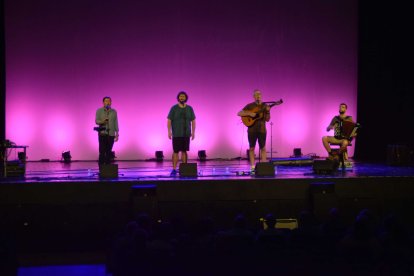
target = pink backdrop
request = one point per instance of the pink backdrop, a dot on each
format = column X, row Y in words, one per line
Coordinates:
column 63, row 57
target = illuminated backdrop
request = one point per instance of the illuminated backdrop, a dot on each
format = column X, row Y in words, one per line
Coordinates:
column 63, row 57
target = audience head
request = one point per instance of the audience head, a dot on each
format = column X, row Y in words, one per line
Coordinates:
column 270, row 220
column 240, row 221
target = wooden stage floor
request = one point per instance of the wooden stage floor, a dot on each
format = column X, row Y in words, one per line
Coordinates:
column 88, row 171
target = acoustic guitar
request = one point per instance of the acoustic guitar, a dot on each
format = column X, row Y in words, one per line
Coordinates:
column 259, row 110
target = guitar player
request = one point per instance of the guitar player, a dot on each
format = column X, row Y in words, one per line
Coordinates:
column 259, row 113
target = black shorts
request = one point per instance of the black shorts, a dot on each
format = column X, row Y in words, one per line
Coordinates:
column 257, row 136
column 181, row 144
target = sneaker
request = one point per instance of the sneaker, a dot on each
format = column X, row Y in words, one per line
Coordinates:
column 252, row 171
column 333, row 156
column 173, row 173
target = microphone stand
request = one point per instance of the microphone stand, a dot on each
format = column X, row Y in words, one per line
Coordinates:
column 108, row 139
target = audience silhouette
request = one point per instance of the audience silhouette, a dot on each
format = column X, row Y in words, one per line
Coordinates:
column 368, row 246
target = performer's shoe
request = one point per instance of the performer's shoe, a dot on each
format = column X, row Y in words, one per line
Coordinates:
column 173, row 172
column 252, row 171
column 333, row 156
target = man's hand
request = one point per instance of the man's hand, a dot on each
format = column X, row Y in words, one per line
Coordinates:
column 116, row 138
column 192, row 136
column 169, row 135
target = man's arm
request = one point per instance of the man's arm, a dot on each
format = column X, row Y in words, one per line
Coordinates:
column 330, row 127
column 193, row 127
column 169, row 128
column 267, row 113
column 116, row 127
column 97, row 116
column 332, row 124
column 243, row 113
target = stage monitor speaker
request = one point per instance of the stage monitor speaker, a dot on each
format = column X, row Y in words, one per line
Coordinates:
column 265, row 169
column 325, row 166
column 188, row 169
column 108, row 170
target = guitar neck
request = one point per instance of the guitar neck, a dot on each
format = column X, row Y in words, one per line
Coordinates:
column 271, row 104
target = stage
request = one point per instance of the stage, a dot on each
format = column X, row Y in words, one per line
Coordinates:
column 67, row 207
column 217, row 169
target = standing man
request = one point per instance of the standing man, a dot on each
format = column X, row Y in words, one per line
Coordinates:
column 338, row 138
column 107, row 120
column 260, row 113
column 181, row 126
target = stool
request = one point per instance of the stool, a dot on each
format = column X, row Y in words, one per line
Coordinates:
column 343, row 158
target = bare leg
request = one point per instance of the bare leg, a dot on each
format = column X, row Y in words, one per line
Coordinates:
column 326, row 145
column 175, row 160
column 251, row 156
column 263, row 157
column 344, row 144
column 184, row 156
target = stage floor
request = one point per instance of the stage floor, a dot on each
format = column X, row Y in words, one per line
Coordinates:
column 88, row 171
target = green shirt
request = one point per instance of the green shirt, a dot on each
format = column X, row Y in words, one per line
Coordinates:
column 181, row 118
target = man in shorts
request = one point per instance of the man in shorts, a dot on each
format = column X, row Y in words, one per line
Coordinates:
column 256, row 132
column 181, row 126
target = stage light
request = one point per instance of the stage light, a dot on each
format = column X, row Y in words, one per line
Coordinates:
column 67, row 158
column 159, row 156
column 297, row 152
column 202, row 155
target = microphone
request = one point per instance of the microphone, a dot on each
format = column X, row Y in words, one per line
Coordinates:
column 107, row 107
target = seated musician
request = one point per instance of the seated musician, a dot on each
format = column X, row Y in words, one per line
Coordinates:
column 339, row 138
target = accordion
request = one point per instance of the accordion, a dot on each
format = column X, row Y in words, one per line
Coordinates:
column 348, row 129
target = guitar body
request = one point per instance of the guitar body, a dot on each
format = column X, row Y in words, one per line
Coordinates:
column 249, row 121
